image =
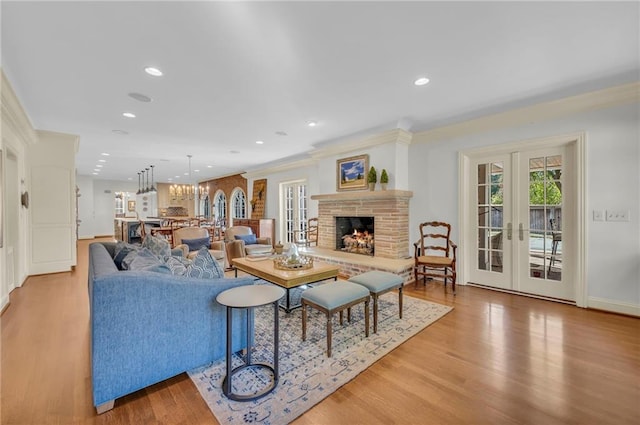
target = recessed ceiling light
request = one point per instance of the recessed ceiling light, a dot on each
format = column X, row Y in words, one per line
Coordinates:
column 312, row 123
column 102, row 160
column 140, row 97
column 105, row 154
column 170, row 179
column 186, row 174
column 95, row 174
column 130, row 178
column 177, row 177
column 421, row 81
column 209, row 166
column 128, row 114
column 196, row 171
column 96, row 169
column 259, row 142
column 99, row 165
column 153, row 71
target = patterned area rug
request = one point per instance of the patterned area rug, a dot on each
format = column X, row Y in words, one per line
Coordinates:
column 307, row 376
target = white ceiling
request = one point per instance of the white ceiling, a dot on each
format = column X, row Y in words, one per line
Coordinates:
column 240, row 72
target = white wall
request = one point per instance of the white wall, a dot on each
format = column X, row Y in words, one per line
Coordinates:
column 96, row 206
column 613, row 182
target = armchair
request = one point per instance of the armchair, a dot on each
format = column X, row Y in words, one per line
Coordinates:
column 435, row 253
column 239, row 241
column 190, row 239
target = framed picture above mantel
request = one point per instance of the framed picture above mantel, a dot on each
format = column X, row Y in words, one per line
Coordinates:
column 351, row 173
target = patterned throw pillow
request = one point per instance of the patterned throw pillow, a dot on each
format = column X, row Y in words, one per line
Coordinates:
column 159, row 247
column 196, row 244
column 121, row 251
column 178, row 265
column 204, row 266
column 147, row 261
column 248, row 239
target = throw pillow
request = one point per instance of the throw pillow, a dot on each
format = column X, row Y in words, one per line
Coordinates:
column 144, row 259
column 248, row 239
column 204, row 266
column 126, row 261
column 159, row 247
column 196, row 244
column 121, row 251
column 178, row 265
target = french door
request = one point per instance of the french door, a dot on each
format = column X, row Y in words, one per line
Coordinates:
column 294, row 210
column 519, row 204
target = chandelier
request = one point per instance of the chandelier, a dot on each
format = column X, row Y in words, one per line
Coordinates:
column 188, row 192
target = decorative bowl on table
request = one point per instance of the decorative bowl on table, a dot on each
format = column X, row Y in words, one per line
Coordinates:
column 299, row 262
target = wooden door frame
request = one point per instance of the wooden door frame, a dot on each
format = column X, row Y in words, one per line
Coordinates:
column 576, row 150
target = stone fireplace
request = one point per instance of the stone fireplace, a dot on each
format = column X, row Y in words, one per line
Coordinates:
column 389, row 210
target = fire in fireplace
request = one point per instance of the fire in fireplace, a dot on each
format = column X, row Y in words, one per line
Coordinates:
column 355, row 234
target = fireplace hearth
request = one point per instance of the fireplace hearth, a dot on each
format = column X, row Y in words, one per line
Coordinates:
column 355, row 235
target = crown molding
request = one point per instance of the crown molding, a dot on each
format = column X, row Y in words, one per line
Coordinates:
column 13, row 115
column 600, row 99
column 263, row 172
column 396, row 135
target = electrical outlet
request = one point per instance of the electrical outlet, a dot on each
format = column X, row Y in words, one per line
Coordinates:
column 618, row 215
column 598, row 215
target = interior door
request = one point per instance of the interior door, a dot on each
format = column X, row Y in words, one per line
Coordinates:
column 518, row 207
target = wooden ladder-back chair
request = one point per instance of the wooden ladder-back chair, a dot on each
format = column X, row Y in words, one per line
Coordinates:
column 435, row 253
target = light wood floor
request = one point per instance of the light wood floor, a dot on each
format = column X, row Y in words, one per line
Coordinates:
column 496, row 359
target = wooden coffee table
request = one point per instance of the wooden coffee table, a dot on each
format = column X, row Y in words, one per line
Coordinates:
column 287, row 279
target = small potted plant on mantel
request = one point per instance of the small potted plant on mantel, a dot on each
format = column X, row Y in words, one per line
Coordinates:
column 372, row 178
column 384, row 179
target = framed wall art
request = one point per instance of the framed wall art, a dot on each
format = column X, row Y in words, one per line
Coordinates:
column 351, row 173
column 131, row 205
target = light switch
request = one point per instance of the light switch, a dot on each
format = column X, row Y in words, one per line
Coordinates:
column 617, row 215
column 598, row 215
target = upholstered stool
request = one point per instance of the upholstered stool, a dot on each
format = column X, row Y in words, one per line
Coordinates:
column 332, row 297
column 379, row 283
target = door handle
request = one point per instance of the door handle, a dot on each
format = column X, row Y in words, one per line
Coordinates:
column 509, row 231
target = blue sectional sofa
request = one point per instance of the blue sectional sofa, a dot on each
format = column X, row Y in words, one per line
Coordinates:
column 148, row 326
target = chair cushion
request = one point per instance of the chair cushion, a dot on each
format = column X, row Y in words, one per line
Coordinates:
column 258, row 249
column 336, row 294
column 248, row 239
column 204, row 266
column 435, row 260
column 376, row 281
column 196, row 244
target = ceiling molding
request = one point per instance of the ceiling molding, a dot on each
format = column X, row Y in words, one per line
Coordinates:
column 13, row 115
column 600, row 99
column 397, row 135
column 263, row 172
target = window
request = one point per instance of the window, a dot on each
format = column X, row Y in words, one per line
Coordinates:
column 220, row 207
column 238, row 204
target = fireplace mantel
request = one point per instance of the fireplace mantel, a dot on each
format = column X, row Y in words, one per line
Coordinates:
column 363, row 195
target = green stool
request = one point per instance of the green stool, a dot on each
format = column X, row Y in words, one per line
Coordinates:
column 379, row 283
column 332, row 297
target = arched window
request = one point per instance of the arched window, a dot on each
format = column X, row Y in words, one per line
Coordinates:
column 238, row 204
column 205, row 207
column 220, row 207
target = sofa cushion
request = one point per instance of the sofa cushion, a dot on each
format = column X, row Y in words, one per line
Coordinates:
column 121, row 251
column 196, row 244
column 248, row 239
column 159, row 247
column 204, row 266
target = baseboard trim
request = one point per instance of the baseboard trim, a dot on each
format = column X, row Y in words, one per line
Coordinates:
column 613, row 306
